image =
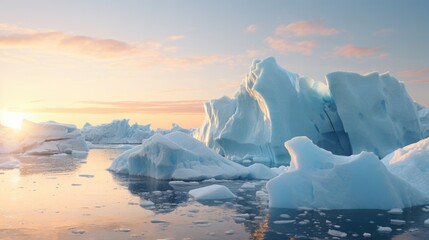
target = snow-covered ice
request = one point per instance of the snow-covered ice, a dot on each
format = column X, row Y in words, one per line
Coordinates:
column 319, row 179
column 212, row 192
column 176, row 156
column 260, row 171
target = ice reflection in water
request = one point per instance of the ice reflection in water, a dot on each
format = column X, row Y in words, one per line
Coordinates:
column 53, row 198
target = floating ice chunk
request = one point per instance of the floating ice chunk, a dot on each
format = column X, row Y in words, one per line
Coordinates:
column 397, row 222
column 230, row 232
column 183, row 183
column 156, row 220
column 248, row 185
column 336, row 233
column 122, row 229
column 86, row 175
column 260, row 171
column 366, row 235
column 212, row 192
column 283, row 221
column 317, row 178
column 395, row 211
column 146, row 203
column 384, row 229
column 176, row 156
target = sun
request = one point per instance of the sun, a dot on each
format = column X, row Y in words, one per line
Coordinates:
column 12, row 119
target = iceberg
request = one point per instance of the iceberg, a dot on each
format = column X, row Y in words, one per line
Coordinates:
column 176, row 156
column 376, row 111
column 45, row 138
column 271, row 106
column 212, row 192
column 411, row 164
column 116, row 132
column 50, row 138
column 317, row 178
column 349, row 114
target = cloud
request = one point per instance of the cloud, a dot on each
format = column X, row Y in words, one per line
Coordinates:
column 414, row 72
column 118, row 107
column 120, row 53
column 419, row 81
column 305, row 28
column 251, row 28
column 175, row 37
column 352, row 51
column 285, row 46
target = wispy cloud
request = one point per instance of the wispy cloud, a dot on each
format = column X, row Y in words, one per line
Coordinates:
column 305, row 28
column 285, row 46
column 352, row 51
column 175, row 37
column 251, row 28
column 383, row 31
column 134, row 54
column 419, row 81
column 115, row 107
column 414, row 72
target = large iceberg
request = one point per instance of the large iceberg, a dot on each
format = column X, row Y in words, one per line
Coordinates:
column 271, row 106
column 176, row 156
column 116, row 132
column 349, row 114
column 45, row 138
column 49, row 138
column 121, row 132
column 319, row 179
column 411, row 164
column 377, row 113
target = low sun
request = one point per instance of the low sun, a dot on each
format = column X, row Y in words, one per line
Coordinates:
column 12, row 119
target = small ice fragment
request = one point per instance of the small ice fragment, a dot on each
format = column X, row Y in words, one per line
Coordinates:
column 146, row 203
column 395, row 211
column 78, row 231
column 248, row 185
column 366, row 235
column 336, row 233
column 229, row 232
column 122, row 229
column 384, row 229
column 283, row 221
column 397, row 222
column 86, row 175
column 156, row 220
column 284, row 215
column 426, row 222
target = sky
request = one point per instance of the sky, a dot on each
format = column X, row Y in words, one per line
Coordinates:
column 158, row 61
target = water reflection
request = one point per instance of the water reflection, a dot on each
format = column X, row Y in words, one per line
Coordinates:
column 60, row 163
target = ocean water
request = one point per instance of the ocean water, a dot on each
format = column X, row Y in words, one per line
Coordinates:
column 62, row 197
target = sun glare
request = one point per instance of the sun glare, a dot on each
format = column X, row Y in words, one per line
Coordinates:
column 12, row 119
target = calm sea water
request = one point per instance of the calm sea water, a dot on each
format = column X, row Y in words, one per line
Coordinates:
column 65, row 198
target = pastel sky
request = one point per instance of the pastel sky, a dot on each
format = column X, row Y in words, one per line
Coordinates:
column 158, row 61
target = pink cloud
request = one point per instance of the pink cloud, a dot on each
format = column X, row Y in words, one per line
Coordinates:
column 419, row 81
column 285, row 46
column 251, row 28
column 175, row 37
column 351, row 51
column 414, row 72
column 305, row 28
